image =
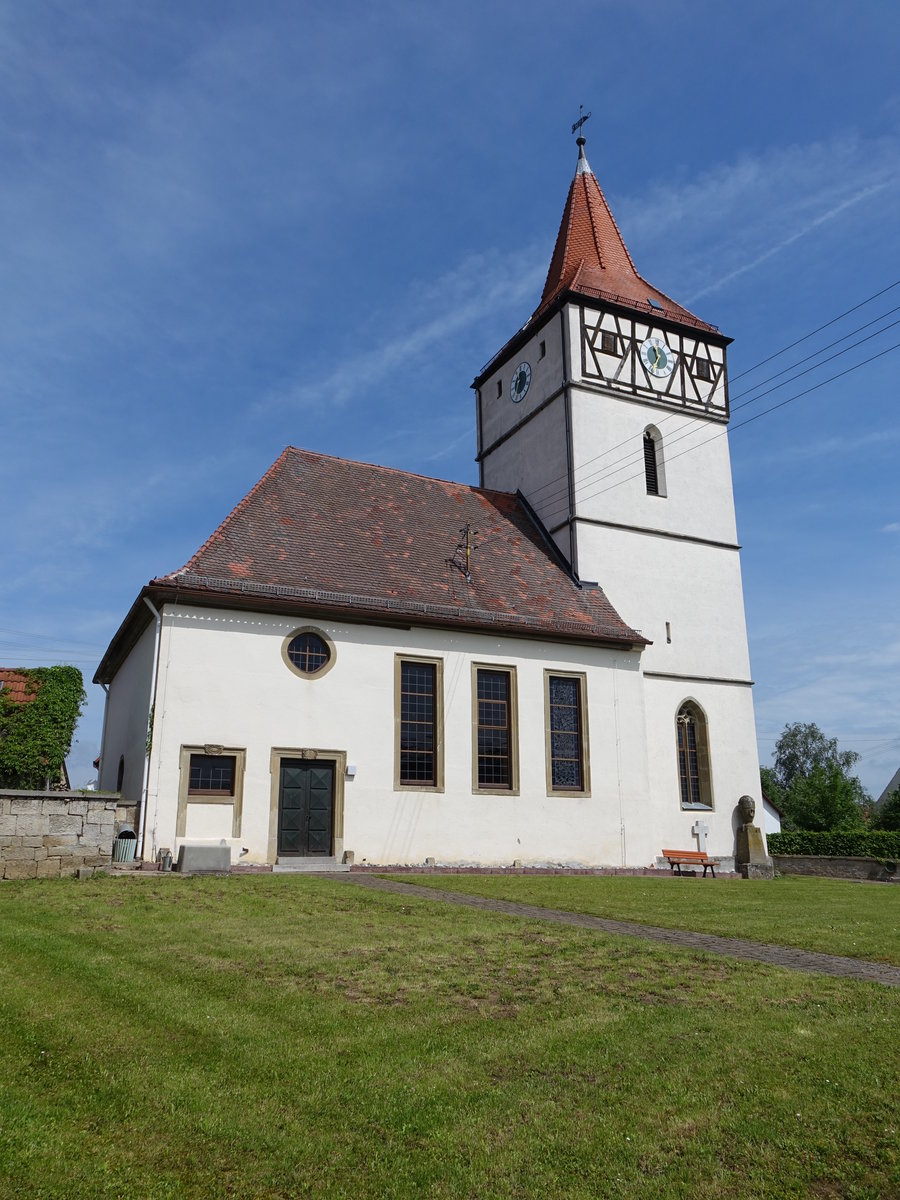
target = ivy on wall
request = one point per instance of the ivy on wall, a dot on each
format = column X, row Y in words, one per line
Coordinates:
column 35, row 736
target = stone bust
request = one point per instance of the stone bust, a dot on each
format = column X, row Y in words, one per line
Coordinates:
column 747, row 809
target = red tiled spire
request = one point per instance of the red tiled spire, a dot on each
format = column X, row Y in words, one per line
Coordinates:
column 591, row 258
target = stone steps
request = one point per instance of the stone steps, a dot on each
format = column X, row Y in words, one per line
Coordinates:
column 308, row 865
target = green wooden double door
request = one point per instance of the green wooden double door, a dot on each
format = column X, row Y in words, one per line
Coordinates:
column 305, row 808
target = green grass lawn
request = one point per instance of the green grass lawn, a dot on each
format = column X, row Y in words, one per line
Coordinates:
column 272, row 1036
column 861, row 920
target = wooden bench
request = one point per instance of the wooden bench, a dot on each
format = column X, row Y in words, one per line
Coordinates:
column 690, row 858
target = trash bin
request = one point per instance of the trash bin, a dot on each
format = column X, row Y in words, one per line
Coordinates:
column 125, row 845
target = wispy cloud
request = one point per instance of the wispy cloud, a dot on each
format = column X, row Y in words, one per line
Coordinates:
column 804, row 231
column 892, row 527
column 819, row 448
column 481, row 286
column 742, row 214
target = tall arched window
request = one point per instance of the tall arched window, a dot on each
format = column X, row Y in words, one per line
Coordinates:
column 654, row 470
column 692, row 742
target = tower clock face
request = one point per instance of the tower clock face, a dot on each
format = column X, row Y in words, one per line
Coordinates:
column 520, row 382
column 657, row 357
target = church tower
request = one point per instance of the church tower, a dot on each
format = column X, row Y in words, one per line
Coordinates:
column 608, row 411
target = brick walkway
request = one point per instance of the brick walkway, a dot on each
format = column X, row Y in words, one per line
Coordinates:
column 776, row 956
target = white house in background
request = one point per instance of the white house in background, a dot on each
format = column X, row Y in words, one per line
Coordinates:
column 771, row 817
column 551, row 667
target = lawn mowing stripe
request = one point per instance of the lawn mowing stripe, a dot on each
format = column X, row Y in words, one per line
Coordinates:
column 777, row 956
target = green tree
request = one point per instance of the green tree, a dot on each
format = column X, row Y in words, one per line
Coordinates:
column 771, row 787
column 887, row 816
column 36, row 736
column 814, row 780
column 826, row 800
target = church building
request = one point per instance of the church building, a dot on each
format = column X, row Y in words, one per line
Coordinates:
column 362, row 664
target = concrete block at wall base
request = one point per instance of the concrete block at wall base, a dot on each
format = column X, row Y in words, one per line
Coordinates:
column 50, row 868
column 196, row 860
column 20, row 870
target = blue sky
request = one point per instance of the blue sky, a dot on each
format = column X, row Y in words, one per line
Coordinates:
column 226, row 228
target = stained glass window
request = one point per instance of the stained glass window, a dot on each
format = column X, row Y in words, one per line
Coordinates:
column 566, row 750
column 693, row 758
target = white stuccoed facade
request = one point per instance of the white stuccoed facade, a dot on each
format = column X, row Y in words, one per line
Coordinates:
column 668, row 563
column 222, row 683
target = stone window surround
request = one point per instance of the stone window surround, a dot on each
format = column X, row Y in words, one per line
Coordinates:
column 239, row 754
column 438, row 664
column 489, row 790
column 326, row 666
column 585, row 789
column 312, row 754
column 704, row 767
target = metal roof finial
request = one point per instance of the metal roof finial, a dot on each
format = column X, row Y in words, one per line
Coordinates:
column 583, row 166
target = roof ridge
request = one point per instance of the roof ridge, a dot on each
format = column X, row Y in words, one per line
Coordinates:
column 356, row 462
column 239, row 507
column 615, row 223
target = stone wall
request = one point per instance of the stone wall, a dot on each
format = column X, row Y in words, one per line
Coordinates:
column 834, row 868
column 50, row 834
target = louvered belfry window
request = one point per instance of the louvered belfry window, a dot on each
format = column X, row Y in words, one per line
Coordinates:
column 418, row 732
column 651, row 470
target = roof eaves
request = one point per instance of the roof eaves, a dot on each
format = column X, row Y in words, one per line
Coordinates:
column 243, row 594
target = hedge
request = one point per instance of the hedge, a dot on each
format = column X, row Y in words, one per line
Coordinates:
column 850, row 843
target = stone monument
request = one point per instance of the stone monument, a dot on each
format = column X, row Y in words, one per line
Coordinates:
column 750, row 856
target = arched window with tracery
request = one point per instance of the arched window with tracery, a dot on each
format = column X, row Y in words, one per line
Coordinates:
column 654, row 468
column 692, row 743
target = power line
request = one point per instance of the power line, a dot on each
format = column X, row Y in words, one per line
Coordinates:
column 807, row 336
column 38, row 637
column 749, row 370
column 696, row 424
column 749, row 421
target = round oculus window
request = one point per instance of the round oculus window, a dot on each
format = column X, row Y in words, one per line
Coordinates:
column 308, row 652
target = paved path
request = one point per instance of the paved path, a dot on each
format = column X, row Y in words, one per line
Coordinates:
column 776, row 956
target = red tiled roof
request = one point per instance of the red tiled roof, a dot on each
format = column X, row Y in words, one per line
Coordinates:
column 16, row 685
column 591, row 258
column 354, row 537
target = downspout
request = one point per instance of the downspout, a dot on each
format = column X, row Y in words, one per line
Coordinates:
column 151, row 716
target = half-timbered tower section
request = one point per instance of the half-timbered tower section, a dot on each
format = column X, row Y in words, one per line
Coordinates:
column 608, row 411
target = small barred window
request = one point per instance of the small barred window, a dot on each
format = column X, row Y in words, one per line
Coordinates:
column 702, row 368
column 308, row 652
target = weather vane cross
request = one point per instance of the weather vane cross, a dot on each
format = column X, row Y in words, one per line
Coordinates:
column 582, row 117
